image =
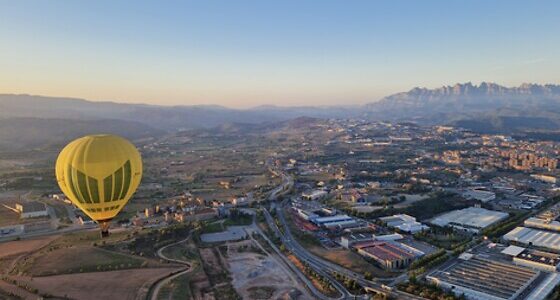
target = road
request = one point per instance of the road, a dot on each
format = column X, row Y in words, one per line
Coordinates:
column 295, row 270
column 165, row 281
column 322, row 266
column 319, row 263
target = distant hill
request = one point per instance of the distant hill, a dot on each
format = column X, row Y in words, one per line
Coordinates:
column 162, row 117
column 20, row 133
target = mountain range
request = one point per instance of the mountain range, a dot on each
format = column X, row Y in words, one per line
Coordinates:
column 487, row 107
column 466, row 99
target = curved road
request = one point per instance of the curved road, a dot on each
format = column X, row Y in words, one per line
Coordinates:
column 163, row 282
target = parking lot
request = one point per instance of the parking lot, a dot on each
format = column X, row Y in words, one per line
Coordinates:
column 233, row 233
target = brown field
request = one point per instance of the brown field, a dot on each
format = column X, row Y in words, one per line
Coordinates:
column 25, row 246
column 124, row 284
column 212, row 264
column 6, row 289
column 349, row 260
column 7, row 217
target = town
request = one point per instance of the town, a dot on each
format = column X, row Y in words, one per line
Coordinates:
column 307, row 209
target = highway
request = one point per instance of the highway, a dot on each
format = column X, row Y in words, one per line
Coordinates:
column 322, row 266
column 299, row 273
column 316, row 267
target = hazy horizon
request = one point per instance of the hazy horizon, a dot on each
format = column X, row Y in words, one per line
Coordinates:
column 290, row 53
column 118, row 101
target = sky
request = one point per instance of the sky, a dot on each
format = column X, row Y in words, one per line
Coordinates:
column 248, row 53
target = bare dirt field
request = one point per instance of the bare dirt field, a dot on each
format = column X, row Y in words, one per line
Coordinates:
column 350, row 260
column 257, row 276
column 7, row 217
column 25, row 246
column 125, row 284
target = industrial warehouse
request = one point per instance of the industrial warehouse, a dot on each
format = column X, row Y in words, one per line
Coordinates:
column 388, row 254
column 471, row 219
column 534, row 237
column 404, row 223
column 535, row 259
column 478, row 278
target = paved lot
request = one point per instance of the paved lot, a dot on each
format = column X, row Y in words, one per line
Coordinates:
column 233, row 233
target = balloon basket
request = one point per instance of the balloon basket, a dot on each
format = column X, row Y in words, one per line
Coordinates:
column 104, row 225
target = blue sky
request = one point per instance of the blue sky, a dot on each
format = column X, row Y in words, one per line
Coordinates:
column 248, row 53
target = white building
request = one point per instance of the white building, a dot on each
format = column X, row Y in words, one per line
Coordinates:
column 404, row 223
column 480, row 195
column 534, row 237
column 471, row 219
column 314, row 195
column 334, row 221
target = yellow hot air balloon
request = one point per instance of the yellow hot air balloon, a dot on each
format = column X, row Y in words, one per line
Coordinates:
column 99, row 174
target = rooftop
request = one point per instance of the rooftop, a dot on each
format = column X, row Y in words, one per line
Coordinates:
column 336, row 218
column 536, row 237
column 470, row 217
column 540, row 257
column 489, row 277
column 32, row 206
column 385, row 250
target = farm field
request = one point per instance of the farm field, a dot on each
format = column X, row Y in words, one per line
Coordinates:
column 25, row 246
column 122, row 284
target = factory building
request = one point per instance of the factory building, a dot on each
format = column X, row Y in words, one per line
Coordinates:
column 539, row 223
column 534, row 259
column 349, row 240
column 334, row 221
column 480, row 195
column 534, row 237
column 32, row 209
column 389, row 255
column 471, row 219
column 482, row 279
column 404, row 223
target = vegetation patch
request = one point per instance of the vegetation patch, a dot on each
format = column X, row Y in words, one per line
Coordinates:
column 428, row 291
column 261, row 292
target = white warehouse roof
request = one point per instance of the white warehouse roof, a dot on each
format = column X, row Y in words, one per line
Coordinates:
column 330, row 219
column 539, row 238
column 513, row 250
column 471, row 216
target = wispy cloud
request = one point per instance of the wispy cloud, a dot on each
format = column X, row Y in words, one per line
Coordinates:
column 519, row 64
column 533, row 61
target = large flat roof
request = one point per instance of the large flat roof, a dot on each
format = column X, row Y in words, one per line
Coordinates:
column 336, row 218
column 540, row 257
column 32, row 206
column 536, row 237
column 489, row 277
column 385, row 250
column 470, row 217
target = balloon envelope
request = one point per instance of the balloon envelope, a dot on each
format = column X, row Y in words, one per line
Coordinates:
column 99, row 174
